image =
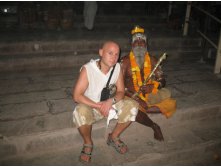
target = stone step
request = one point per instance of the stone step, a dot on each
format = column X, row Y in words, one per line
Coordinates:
column 33, row 47
column 69, row 53
column 77, row 55
column 72, row 59
column 193, row 125
column 204, row 153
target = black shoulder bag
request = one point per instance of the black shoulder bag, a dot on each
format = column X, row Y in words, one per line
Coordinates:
column 105, row 93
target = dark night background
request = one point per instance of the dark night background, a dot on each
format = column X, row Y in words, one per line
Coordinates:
column 51, row 15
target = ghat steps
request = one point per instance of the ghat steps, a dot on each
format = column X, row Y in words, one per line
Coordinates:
column 44, row 49
column 36, row 104
column 36, row 120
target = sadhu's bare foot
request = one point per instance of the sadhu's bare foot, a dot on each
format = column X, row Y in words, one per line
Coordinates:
column 157, row 132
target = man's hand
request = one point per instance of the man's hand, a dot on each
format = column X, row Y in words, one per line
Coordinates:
column 105, row 107
column 147, row 88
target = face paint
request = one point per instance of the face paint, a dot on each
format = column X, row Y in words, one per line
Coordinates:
column 139, row 36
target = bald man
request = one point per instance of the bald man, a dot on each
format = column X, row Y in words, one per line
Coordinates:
column 89, row 109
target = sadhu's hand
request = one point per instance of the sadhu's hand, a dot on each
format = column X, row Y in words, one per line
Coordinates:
column 147, row 88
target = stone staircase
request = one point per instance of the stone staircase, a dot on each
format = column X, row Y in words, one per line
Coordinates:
column 36, row 104
column 185, row 143
column 60, row 49
column 36, row 121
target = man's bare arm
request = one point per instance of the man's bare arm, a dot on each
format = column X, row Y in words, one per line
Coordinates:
column 80, row 88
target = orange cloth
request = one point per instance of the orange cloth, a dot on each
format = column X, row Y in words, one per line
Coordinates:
column 167, row 107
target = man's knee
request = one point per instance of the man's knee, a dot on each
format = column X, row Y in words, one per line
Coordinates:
column 128, row 110
column 83, row 115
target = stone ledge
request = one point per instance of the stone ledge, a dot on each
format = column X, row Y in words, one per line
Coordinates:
column 64, row 138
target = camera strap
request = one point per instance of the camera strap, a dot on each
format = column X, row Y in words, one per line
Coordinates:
column 110, row 76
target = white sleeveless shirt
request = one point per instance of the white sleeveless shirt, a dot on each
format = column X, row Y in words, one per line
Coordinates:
column 98, row 80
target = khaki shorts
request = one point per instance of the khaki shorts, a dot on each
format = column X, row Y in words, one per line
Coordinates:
column 85, row 115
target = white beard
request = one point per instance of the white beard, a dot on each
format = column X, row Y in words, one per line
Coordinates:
column 139, row 53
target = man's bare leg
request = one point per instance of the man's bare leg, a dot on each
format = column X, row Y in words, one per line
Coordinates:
column 118, row 130
column 85, row 132
column 143, row 119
